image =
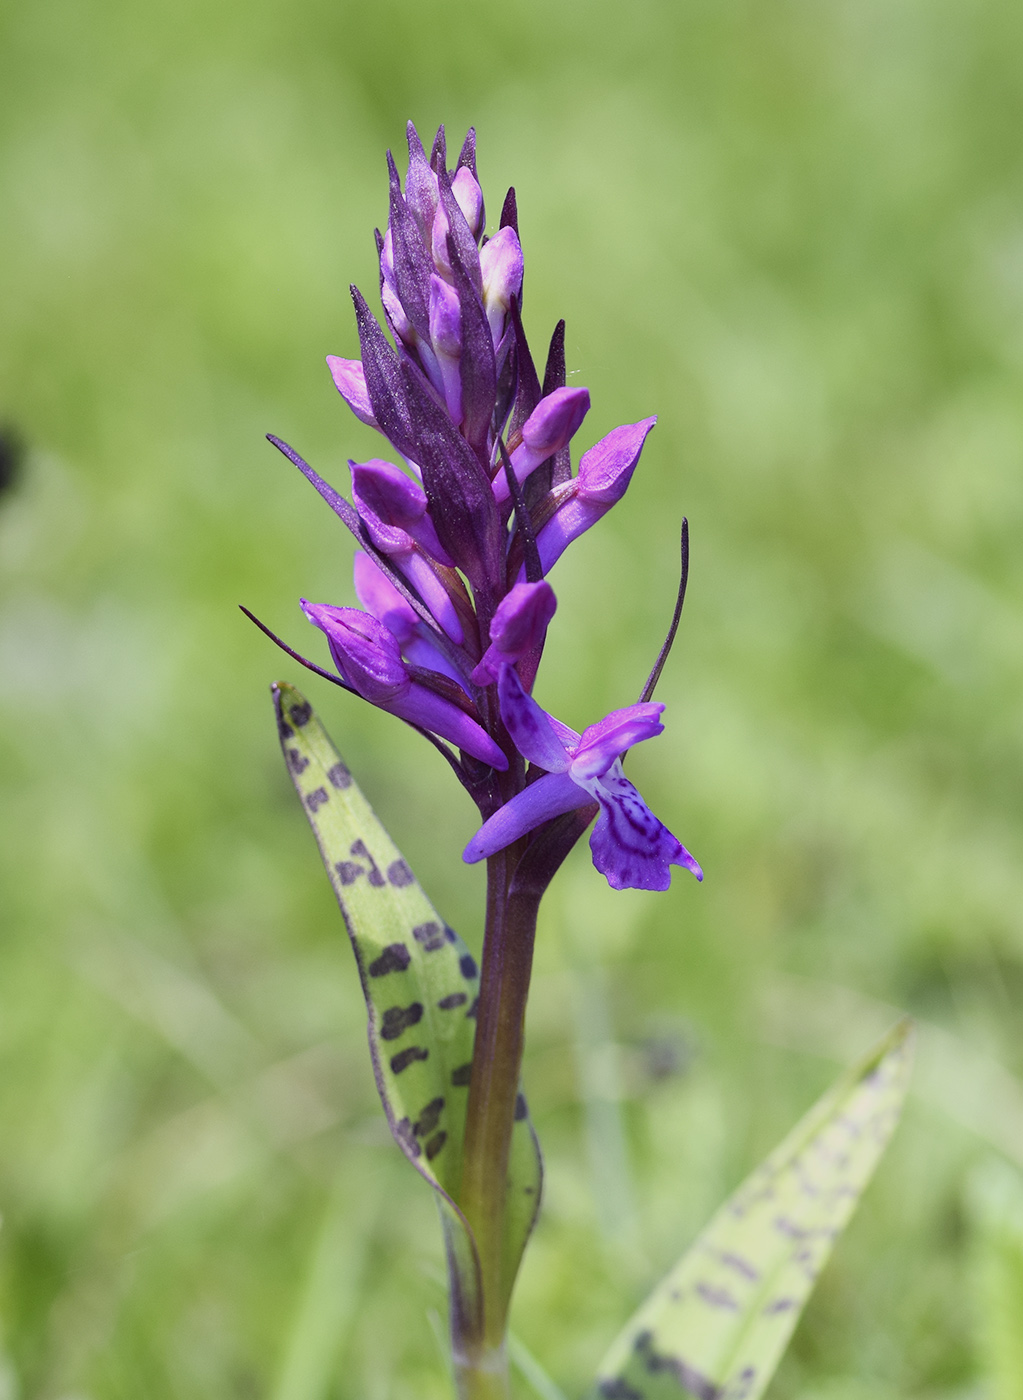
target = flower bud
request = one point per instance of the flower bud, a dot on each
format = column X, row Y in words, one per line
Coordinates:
column 519, row 626
column 365, row 653
column 604, row 475
column 501, row 269
column 546, row 431
column 393, row 509
column 469, row 198
column 383, row 491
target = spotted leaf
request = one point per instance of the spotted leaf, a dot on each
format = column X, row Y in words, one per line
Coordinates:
column 718, row 1324
column 420, row 983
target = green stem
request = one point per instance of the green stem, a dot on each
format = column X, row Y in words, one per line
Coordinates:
column 483, row 1377
column 493, row 1091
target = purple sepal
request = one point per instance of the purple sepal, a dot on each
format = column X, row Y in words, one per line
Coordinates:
column 368, row 658
column 400, row 324
column 630, row 846
column 384, row 383
column 604, row 475
column 420, row 184
column 529, row 726
column 548, row 797
column 603, row 743
column 519, row 627
column 501, row 268
column 461, row 501
column 350, row 382
column 547, row 429
column 412, row 266
column 467, row 155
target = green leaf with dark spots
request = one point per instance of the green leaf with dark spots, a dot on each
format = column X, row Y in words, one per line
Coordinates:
column 420, row 983
column 718, row 1324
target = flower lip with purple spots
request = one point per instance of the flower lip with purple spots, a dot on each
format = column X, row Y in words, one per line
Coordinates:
column 630, row 846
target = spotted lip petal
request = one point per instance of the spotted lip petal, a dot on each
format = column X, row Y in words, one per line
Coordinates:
column 631, row 847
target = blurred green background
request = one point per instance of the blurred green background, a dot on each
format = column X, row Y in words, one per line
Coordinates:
column 794, row 230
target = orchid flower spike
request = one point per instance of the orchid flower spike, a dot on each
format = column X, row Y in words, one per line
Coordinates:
column 630, row 846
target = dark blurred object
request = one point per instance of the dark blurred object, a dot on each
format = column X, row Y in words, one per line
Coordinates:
column 669, row 1050
column 11, row 455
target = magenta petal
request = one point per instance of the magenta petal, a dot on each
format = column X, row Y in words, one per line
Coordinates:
column 529, row 726
column 602, row 743
column 630, row 846
column 548, row 797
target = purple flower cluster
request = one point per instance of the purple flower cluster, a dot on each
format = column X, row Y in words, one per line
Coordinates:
column 459, row 533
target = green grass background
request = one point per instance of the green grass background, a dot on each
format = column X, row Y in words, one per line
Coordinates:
column 794, row 230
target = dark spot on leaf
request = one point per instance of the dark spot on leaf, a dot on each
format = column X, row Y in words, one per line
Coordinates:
column 430, row 935
column 395, row 958
column 467, row 964
column 317, row 799
column 359, row 848
column 404, row 1058
column 297, row 762
column 470, row 1014
column 450, row 934
column 779, row 1305
column 449, row 1003
column 301, row 714
column 460, row 1077
column 339, row 776
column 740, row 1265
column 716, row 1297
column 397, row 1020
column 429, row 1118
column 687, row 1376
column 521, row 1109
column 399, row 873
column 348, row 871
column 434, row 1145
column 404, row 1133
column 619, row 1390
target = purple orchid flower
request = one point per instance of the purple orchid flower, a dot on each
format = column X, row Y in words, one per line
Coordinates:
column 368, row 658
column 631, row 848
column 488, row 488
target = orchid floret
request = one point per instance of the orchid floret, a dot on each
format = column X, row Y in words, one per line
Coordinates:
column 630, row 846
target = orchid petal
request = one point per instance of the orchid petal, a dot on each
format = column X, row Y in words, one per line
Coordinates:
column 631, row 848
column 529, row 726
column 604, row 742
column 548, row 797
